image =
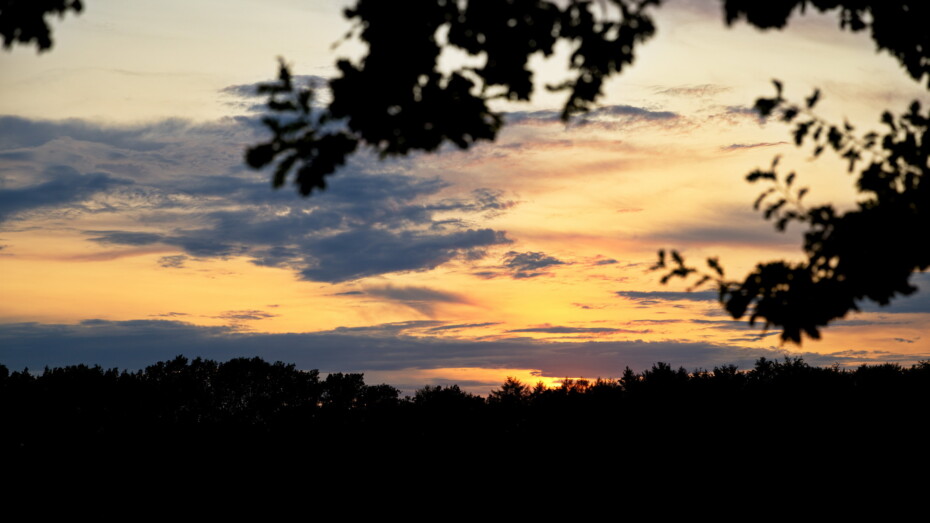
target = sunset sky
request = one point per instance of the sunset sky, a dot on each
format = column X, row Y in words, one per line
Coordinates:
column 131, row 230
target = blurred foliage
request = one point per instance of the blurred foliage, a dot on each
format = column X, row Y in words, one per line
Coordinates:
column 396, row 100
column 23, row 21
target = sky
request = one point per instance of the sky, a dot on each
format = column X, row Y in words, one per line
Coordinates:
column 132, row 231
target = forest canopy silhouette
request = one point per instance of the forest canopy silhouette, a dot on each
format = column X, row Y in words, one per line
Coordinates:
column 181, row 407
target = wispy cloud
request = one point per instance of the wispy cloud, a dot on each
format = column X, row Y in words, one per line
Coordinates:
column 377, row 347
column 693, row 91
column 460, row 326
column 420, row 299
column 610, row 116
column 172, row 262
column 653, row 297
column 740, row 146
column 560, row 329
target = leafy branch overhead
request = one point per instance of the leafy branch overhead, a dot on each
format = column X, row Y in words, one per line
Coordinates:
column 24, row 21
column 396, row 100
column 867, row 253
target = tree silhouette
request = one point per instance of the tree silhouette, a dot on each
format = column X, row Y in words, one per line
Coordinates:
column 865, row 254
column 869, row 252
column 24, row 21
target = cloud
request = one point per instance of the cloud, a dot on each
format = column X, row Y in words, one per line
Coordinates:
column 726, row 227
column 610, row 116
column 916, row 303
column 588, row 307
column 16, row 132
column 243, row 315
column 729, row 324
column 420, row 299
column 172, row 262
column 251, row 100
column 137, row 343
column 749, row 339
column 653, row 297
column 460, row 326
column 125, row 237
column 693, row 91
column 558, row 329
column 532, row 117
column 738, row 146
column 631, row 113
column 369, row 252
column 66, row 187
column 529, row 264
column 742, row 110
column 187, row 183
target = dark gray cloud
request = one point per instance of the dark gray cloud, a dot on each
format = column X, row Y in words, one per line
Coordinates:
column 728, row 324
column 736, row 226
column 863, row 323
column 588, row 306
column 749, row 339
column 299, row 80
column 367, row 252
column 630, row 112
column 125, row 237
column 420, row 299
column 15, row 156
column 606, row 262
column 738, row 146
column 135, row 344
column 170, row 315
column 460, row 326
column 693, row 91
column 609, row 115
column 559, row 329
column 243, row 315
column 529, row 264
column 742, row 110
column 412, row 293
column 172, row 262
column 653, row 297
column 545, row 116
column 188, row 185
column 246, row 97
column 16, row 132
column 65, row 187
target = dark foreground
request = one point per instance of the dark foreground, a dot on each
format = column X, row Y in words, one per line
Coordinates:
column 249, row 420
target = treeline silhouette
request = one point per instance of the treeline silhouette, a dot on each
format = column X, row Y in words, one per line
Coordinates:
column 256, row 409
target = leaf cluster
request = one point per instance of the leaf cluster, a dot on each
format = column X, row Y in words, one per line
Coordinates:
column 24, row 21
column 397, row 100
column 867, row 253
